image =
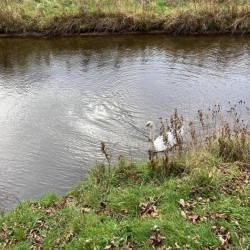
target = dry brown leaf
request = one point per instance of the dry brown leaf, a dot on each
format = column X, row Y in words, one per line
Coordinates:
column 183, row 214
column 222, row 241
column 150, row 206
column 69, row 236
column 166, row 248
column 159, row 238
column 107, row 247
column 48, row 211
column 182, row 202
column 154, row 214
column 177, row 246
column 221, row 216
column 154, row 236
column 194, row 218
column 150, row 242
column 85, row 209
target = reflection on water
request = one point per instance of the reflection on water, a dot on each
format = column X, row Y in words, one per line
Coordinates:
column 59, row 98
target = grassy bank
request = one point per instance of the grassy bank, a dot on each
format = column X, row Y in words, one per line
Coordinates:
column 69, row 17
column 192, row 198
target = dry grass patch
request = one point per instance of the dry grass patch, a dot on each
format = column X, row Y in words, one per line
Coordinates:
column 69, row 17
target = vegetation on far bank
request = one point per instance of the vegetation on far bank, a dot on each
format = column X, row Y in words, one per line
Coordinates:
column 194, row 196
column 70, row 17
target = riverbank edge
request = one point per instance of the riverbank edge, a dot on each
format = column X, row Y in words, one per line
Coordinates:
column 141, row 204
column 185, row 22
column 94, row 33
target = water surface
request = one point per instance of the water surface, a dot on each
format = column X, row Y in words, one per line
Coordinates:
column 59, row 98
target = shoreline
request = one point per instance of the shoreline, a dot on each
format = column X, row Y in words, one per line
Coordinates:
column 24, row 20
column 96, row 34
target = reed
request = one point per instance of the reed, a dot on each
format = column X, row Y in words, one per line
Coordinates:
column 70, row 17
column 223, row 133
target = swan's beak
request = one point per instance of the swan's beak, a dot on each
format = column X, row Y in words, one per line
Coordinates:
column 146, row 128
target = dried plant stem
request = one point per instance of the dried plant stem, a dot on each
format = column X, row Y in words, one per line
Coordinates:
column 107, row 153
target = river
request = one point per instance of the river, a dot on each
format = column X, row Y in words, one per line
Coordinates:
column 59, row 98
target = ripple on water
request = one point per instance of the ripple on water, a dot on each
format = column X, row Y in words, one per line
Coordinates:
column 60, row 98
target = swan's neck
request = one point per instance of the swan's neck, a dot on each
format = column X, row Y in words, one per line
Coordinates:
column 151, row 135
column 151, row 145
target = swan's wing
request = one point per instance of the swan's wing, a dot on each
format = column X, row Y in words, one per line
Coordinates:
column 171, row 139
column 181, row 131
column 159, row 144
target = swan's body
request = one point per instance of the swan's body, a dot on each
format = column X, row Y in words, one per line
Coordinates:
column 160, row 143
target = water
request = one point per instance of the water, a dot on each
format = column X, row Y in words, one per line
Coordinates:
column 59, row 98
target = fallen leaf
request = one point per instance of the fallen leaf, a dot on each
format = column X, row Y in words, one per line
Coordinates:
column 149, row 207
column 204, row 218
column 194, row 218
column 222, row 241
column 154, row 236
column 221, row 216
column 48, row 211
column 107, row 247
column 159, row 238
column 183, row 214
column 150, row 242
column 182, row 203
column 154, row 214
column 177, row 246
column 69, row 236
column 85, row 209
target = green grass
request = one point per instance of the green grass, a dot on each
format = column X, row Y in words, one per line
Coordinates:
column 192, row 199
column 71, row 17
column 120, row 208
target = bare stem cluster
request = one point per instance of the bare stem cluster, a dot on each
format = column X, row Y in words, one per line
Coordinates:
column 221, row 133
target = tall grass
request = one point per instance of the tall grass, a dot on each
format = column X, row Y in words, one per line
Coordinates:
column 68, row 17
column 219, row 134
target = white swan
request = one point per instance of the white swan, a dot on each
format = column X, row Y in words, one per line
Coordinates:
column 159, row 144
